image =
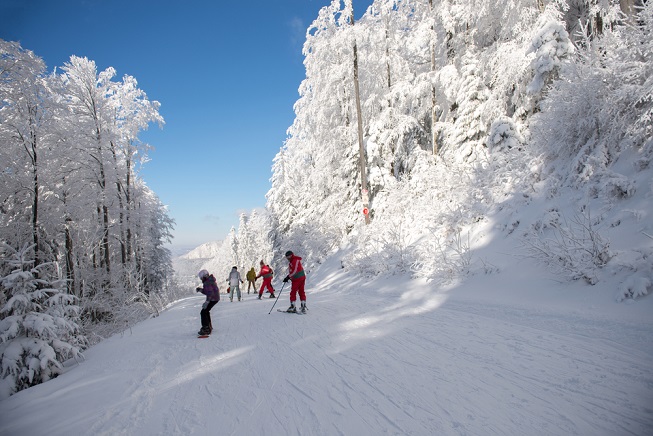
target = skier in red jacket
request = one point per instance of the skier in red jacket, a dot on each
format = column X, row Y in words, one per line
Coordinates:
column 298, row 277
column 267, row 274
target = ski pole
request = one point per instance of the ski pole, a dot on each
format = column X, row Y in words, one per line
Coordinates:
column 278, row 295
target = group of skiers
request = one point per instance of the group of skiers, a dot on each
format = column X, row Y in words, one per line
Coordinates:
column 296, row 276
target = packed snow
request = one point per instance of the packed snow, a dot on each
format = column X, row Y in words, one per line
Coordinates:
column 513, row 353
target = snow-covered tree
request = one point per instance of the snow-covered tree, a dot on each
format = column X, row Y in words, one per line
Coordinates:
column 602, row 106
column 550, row 46
column 255, row 239
column 38, row 329
column 25, row 130
column 508, row 93
column 316, row 180
column 70, row 186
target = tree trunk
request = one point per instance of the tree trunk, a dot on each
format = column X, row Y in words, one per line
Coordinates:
column 628, row 8
column 35, row 202
column 70, row 264
column 105, row 256
column 121, row 207
column 434, row 138
column 387, row 55
column 361, row 148
column 128, row 202
column 105, row 238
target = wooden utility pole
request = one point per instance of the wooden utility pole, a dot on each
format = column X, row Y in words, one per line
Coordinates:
column 361, row 149
column 434, row 102
column 627, row 7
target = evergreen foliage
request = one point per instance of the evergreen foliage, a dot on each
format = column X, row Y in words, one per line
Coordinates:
column 38, row 328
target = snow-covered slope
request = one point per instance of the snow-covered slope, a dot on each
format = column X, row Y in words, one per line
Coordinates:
column 503, row 347
column 509, row 353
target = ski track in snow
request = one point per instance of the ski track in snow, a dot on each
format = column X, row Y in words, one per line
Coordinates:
column 424, row 365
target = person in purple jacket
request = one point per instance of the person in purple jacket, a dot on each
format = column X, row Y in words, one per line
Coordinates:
column 210, row 289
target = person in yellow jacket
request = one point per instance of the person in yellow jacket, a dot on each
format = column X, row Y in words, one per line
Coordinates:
column 251, row 279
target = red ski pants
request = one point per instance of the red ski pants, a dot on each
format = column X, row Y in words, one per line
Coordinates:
column 298, row 286
column 267, row 283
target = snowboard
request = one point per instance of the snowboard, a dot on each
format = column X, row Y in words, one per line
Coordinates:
column 205, row 336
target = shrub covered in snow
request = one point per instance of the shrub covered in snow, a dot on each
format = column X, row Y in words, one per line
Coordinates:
column 634, row 287
column 573, row 248
column 504, row 135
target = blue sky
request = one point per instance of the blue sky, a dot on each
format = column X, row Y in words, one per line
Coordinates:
column 225, row 72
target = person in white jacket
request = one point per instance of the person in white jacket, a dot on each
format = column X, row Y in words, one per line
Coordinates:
column 234, row 283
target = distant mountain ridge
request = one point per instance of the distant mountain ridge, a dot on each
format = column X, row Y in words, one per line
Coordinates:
column 207, row 250
column 204, row 256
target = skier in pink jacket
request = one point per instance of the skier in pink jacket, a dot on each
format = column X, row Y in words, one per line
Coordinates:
column 298, row 279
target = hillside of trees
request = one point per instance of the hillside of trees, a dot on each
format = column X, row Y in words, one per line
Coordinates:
column 81, row 235
column 466, row 108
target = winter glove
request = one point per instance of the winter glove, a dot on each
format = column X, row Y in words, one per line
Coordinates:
column 285, row 280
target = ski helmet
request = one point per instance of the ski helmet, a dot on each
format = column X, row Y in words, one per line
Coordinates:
column 202, row 274
column 289, row 253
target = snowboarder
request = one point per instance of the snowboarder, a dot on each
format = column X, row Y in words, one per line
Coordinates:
column 251, row 279
column 267, row 274
column 210, row 289
column 234, row 283
column 298, row 279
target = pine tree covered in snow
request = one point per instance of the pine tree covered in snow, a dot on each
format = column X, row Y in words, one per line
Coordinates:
column 38, row 331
